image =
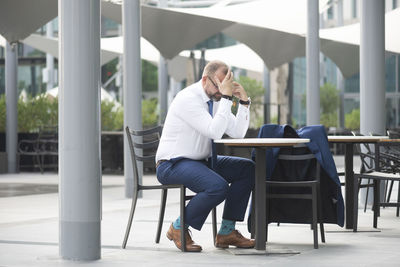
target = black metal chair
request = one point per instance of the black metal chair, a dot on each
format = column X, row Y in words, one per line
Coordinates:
column 143, row 146
column 377, row 177
column 296, row 180
column 43, row 150
column 387, row 164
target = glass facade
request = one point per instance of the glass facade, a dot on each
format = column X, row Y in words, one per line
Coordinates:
column 352, row 89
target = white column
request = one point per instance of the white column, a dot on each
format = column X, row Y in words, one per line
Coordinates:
column 79, row 129
column 11, row 106
column 339, row 77
column 132, row 82
column 372, row 67
column 162, row 89
column 49, row 59
column 312, row 58
column 372, row 71
column 267, row 95
column 162, row 81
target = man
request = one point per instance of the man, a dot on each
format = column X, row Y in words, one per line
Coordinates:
column 185, row 155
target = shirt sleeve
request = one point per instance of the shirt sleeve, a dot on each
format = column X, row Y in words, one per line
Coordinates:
column 194, row 112
column 239, row 124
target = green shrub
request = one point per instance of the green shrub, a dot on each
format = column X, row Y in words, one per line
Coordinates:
column 149, row 112
column 352, row 120
column 42, row 111
column 2, row 113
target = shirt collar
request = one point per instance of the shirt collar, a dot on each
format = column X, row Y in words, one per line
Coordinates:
column 203, row 94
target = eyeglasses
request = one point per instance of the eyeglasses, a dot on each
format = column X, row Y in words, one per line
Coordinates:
column 216, row 86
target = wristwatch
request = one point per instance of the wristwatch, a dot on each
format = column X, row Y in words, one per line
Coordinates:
column 227, row 97
column 248, row 102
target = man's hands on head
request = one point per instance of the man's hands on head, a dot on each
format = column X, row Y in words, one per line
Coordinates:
column 226, row 86
column 239, row 91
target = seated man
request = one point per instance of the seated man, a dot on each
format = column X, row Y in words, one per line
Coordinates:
column 186, row 155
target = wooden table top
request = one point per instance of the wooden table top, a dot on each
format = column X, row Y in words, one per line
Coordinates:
column 356, row 139
column 262, row 142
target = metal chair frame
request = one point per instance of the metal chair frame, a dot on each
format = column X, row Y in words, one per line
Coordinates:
column 138, row 186
column 314, row 196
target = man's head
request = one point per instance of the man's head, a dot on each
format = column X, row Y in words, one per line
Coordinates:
column 213, row 70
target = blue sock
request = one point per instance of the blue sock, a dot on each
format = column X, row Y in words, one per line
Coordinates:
column 227, row 227
column 177, row 224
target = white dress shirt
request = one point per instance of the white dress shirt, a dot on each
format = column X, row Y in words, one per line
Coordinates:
column 189, row 127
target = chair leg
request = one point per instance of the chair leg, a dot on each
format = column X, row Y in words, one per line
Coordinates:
column 128, row 227
column 267, row 219
column 214, row 223
column 376, row 203
column 322, row 230
column 366, row 197
column 398, row 199
column 356, row 191
column 389, row 193
column 182, row 211
column 314, row 215
column 164, row 193
column 253, row 219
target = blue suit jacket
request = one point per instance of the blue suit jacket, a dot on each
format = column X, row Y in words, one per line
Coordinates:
column 318, row 145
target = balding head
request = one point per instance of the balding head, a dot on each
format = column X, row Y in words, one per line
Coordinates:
column 212, row 67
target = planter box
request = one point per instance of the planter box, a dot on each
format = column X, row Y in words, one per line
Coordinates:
column 3, row 162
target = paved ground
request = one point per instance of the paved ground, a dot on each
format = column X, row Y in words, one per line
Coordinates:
column 29, row 233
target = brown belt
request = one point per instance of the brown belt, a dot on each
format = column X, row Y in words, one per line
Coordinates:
column 159, row 162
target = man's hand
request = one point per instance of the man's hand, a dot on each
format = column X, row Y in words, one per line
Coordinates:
column 226, row 87
column 239, row 91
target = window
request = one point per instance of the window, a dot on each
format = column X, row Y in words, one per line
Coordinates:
column 330, row 12
column 354, row 8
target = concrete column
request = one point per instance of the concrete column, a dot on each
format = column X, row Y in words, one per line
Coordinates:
column 397, row 88
column 339, row 77
column 49, row 59
column 11, row 106
column 372, row 67
column 175, row 87
column 132, row 82
column 162, row 89
column 267, row 95
column 312, row 58
column 372, row 71
column 162, row 81
column 79, row 129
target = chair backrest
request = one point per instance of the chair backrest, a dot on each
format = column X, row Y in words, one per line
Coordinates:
column 143, row 146
column 48, row 133
column 366, row 155
column 296, row 164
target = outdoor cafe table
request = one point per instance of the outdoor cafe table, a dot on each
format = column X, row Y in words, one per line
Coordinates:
column 260, row 145
column 349, row 142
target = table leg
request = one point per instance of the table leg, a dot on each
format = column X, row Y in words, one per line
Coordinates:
column 259, row 192
column 349, row 189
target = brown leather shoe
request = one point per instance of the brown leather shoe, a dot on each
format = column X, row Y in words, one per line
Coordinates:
column 175, row 235
column 236, row 239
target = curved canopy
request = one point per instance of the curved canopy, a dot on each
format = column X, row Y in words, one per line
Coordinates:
column 168, row 30
column 50, row 45
column 20, row 18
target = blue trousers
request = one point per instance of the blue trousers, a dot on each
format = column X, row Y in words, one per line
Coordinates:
column 232, row 181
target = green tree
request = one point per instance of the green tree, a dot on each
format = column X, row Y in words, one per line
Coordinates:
column 149, row 76
column 329, row 102
column 255, row 91
column 352, row 120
